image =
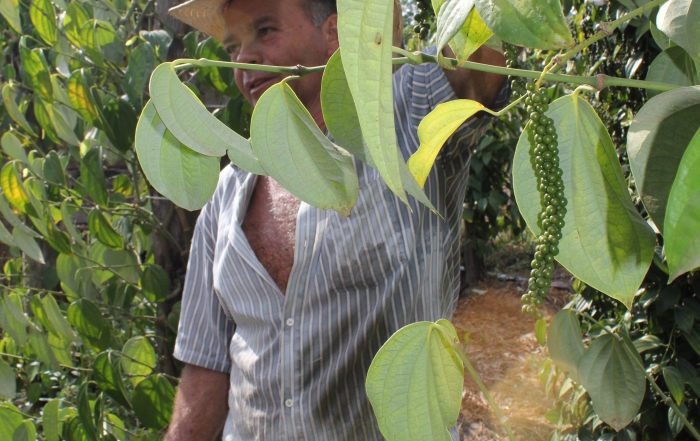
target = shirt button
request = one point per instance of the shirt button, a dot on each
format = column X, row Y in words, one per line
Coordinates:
column 290, row 322
column 288, row 402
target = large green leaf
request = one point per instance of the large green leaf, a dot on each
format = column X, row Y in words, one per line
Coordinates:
column 340, row 116
column 606, row 242
column 37, row 71
column 682, row 224
column 10, row 420
column 138, row 359
column 433, row 132
column 49, row 420
column 122, row 119
column 10, row 10
column 74, row 18
column 293, row 150
column 680, row 21
column 415, row 382
column 87, row 318
column 365, row 29
column 532, row 23
column 43, row 17
column 656, row 142
column 93, row 177
column 612, row 374
column 123, row 263
column 8, row 98
column 58, row 322
column 108, row 374
column 153, row 401
column 182, row 175
column 192, row 124
column 8, row 388
column 142, row 61
column 564, row 342
column 102, row 229
column 673, row 66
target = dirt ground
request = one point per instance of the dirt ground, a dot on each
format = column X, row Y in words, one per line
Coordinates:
column 503, row 350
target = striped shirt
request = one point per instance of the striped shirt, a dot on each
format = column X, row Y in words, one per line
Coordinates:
column 298, row 361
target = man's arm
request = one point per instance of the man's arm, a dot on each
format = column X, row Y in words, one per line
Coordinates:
column 201, row 405
column 475, row 85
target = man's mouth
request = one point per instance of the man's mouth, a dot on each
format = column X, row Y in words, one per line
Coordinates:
column 258, row 87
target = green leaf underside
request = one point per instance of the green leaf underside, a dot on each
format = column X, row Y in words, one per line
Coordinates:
column 531, row 23
column 656, row 142
column 342, row 122
column 606, row 242
column 292, row 150
column 153, row 402
column 682, row 224
column 673, row 66
column 365, row 32
column 192, row 124
column 415, row 383
column 433, row 132
column 182, row 175
column 680, row 21
column 564, row 342
column 451, row 17
column 613, row 379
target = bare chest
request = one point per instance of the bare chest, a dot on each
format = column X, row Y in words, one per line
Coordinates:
column 270, row 227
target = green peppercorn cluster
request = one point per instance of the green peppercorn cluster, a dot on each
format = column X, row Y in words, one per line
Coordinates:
column 544, row 157
column 510, row 51
column 422, row 27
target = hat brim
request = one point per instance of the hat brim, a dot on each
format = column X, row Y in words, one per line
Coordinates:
column 204, row 15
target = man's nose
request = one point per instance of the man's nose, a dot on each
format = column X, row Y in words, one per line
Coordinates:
column 248, row 54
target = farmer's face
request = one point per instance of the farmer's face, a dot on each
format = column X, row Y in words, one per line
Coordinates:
column 280, row 33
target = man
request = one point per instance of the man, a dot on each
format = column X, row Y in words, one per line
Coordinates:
column 285, row 305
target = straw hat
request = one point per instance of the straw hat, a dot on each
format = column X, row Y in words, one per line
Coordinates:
column 208, row 17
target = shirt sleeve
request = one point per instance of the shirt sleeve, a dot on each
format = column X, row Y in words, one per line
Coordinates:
column 205, row 331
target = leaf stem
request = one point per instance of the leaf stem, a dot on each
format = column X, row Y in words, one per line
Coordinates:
column 297, row 70
column 502, row 419
column 666, row 399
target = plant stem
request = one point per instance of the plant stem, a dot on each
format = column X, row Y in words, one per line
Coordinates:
column 297, row 70
column 502, row 419
column 666, row 399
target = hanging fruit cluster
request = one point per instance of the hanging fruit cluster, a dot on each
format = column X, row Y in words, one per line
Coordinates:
column 544, row 157
column 510, row 51
column 425, row 12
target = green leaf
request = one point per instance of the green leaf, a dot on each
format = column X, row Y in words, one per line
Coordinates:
column 647, row 343
column 564, row 342
column 13, row 147
column 9, row 215
column 293, row 150
column 606, row 242
column 86, row 317
column 216, row 78
column 61, row 349
column 182, row 175
column 42, row 350
column 682, row 220
column 53, row 169
column 93, row 177
column 680, row 21
column 693, row 338
column 58, row 322
column 537, row 24
column 8, row 97
column 73, row 20
column 44, row 120
column 10, row 420
column 49, row 420
column 654, row 156
column 541, row 331
column 434, row 130
column 471, row 37
column 37, row 71
column 25, row 432
column 58, row 240
column 674, row 382
column 138, row 359
column 85, row 412
column 10, row 10
column 28, row 245
column 72, row 273
column 415, row 383
column 160, row 39
column 122, row 119
column 102, row 229
column 121, row 262
column 8, row 388
column 11, row 324
column 142, row 61
column 673, row 66
column 192, row 124
column 613, row 376
column 63, row 128
column 451, row 18
column 68, row 224
column 89, row 33
column 81, row 99
column 153, row 402
column 365, row 30
column 340, row 116
column 684, row 318
column 108, row 375
column 154, row 283
column 43, row 17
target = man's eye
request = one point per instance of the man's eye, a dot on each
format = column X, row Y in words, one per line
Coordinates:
column 264, row 31
column 232, row 49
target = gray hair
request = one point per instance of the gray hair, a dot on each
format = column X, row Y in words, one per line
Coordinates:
column 320, row 10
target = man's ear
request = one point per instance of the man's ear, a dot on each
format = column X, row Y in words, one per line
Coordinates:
column 329, row 28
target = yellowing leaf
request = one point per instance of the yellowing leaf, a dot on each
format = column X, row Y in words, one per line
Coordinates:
column 8, row 97
column 434, row 130
column 10, row 10
column 473, row 34
column 43, row 17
